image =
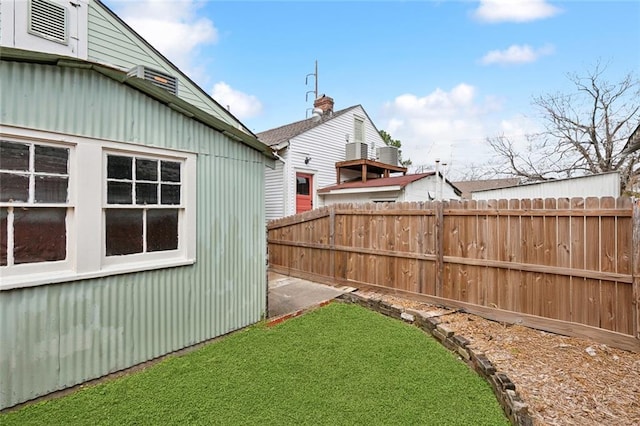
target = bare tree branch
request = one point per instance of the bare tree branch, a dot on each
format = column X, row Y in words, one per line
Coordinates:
column 585, row 132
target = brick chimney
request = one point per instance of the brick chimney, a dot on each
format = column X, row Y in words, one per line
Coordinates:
column 325, row 103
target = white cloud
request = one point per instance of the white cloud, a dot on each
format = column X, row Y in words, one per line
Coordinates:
column 493, row 11
column 173, row 27
column 240, row 104
column 516, row 54
column 451, row 126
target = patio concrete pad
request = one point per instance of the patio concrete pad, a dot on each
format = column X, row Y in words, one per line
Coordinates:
column 288, row 294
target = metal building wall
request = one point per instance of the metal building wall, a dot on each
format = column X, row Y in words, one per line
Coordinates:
column 55, row 336
column 602, row 185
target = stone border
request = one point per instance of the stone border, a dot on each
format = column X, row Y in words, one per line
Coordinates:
column 505, row 390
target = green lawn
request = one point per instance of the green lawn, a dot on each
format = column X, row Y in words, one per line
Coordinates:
column 341, row 364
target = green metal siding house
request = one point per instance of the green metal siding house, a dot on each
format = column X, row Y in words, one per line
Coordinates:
column 131, row 217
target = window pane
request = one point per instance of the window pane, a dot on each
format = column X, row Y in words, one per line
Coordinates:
column 146, row 193
column 39, row 235
column 3, row 236
column 14, row 156
column 14, row 187
column 51, row 160
column 302, row 187
column 162, row 229
column 119, row 167
column 51, row 189
column 170, row 171
column 123, row 231
column 119, row 193
column 170, row 194
column 146, row 170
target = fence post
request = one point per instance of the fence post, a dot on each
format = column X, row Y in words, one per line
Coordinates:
column 636, row 269
column 332, row 241
column 439, row 247
column 421, row 251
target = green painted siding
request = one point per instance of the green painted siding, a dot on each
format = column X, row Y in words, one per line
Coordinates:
column 58, row 335
column 110, row 42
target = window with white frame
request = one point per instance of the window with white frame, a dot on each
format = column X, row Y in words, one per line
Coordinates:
column 143, row 204
column 34, row 202
column 358, row 129
column 74, row 208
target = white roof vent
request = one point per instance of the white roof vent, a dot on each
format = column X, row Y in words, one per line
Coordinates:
column 48, row 20
column 158, row 78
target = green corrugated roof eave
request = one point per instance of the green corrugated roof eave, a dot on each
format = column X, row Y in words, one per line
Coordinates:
column 161, row 95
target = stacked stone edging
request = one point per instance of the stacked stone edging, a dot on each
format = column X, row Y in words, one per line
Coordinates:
column 505, row 390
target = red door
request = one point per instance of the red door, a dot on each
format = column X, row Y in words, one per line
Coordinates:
column 304, row 185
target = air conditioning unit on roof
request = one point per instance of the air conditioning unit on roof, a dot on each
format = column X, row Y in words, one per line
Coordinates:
column 356, row 151
column 158, row 78
column 388, row 155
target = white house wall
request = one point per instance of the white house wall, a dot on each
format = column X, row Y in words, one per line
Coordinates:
column 421, row 189
column 274, row 185
column 325, row 146
column 361, row 198
column 604, row 185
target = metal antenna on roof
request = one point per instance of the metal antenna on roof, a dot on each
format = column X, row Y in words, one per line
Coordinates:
column 306, row 82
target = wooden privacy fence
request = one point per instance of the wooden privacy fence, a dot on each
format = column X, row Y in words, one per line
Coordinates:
column 567, row 266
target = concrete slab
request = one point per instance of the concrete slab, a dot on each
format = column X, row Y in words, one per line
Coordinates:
column 288, row 294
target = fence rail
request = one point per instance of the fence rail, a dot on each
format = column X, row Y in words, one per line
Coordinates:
column 567, row 265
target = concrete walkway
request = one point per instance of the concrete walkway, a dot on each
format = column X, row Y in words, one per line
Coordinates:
column 289, row 294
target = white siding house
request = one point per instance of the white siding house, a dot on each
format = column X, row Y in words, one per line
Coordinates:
column 418, row 187
column 311, row 148
column 600, row 185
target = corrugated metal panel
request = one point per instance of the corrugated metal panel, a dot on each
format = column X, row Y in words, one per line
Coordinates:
column 58, row 335
column 603, row 185
column 111, row 43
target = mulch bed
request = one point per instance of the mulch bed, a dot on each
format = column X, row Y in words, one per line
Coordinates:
column 564, row 380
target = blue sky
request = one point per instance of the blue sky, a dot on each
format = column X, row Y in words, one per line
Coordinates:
column 439, row 76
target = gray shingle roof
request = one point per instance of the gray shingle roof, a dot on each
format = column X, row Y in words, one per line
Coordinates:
column 276, row 136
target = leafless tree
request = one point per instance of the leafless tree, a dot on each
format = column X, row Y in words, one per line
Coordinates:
column 584, row 132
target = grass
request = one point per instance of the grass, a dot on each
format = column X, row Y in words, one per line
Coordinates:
column 341, row 364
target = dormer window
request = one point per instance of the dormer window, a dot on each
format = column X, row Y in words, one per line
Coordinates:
column 48, row 20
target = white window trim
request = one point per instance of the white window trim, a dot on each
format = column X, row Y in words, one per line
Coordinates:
column 85, row 219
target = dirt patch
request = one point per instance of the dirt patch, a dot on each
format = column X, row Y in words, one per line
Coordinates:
column 565, row 380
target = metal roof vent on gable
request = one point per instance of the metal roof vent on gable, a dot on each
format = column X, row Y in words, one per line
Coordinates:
column 158, row 78
column 48, row 20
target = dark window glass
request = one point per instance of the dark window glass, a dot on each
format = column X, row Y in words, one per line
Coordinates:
column 3, row 236
column 40, row 235
column 146, row 193
column 123, row 231
column 146, row 170
column 51, row 160
column 162, row 229
column 170, row 194
column 170, row 171
column 119, row 167
column 14, row 156
column 302, row 187
column 51, row 189
column 119, row 193
column 14, row 187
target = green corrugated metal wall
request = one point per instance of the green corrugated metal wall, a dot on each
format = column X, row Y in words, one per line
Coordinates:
column 55, row 336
